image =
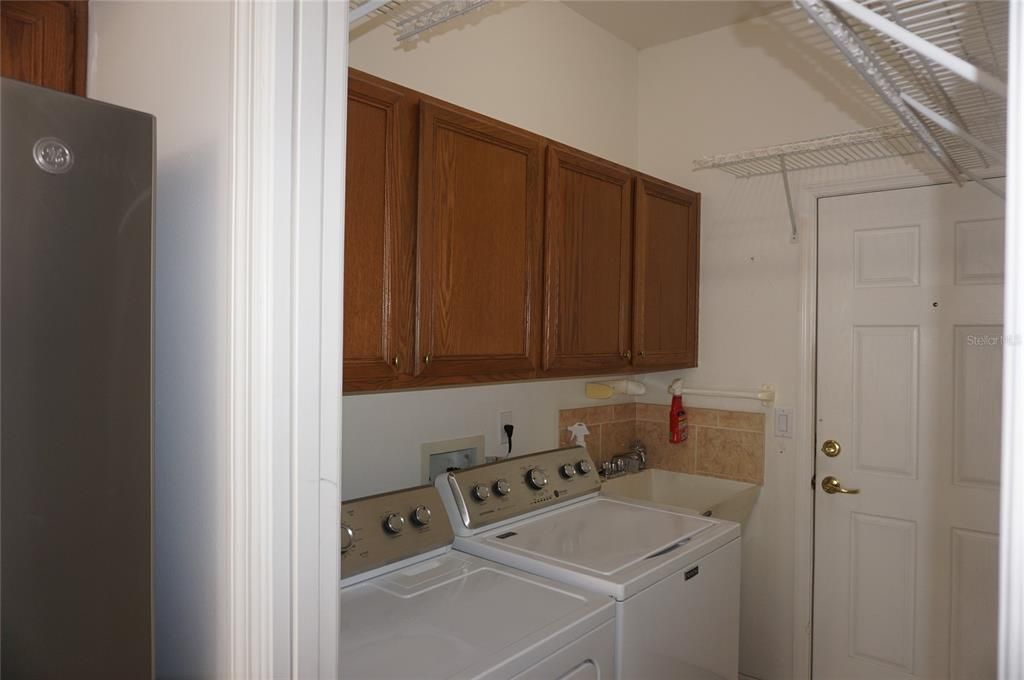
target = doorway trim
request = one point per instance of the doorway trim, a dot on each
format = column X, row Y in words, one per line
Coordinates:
column 809, row 195
column 287, row 161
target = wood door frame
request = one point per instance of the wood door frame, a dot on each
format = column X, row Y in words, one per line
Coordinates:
column 808, row 197
column 284, row 351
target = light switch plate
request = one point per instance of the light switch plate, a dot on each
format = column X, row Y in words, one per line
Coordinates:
column 784, row 422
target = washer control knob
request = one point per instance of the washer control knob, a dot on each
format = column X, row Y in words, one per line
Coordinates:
column 394, row 523
column 481, row 492
column 502, row 487
column 421, row 516
column 347, row 538
column 584, row 467
column 568, row 470
column 537, row 478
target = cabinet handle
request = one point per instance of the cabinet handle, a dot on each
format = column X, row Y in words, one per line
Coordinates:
column 627, row 355
column 426, row 360
column 641, row 354
column 396, row 361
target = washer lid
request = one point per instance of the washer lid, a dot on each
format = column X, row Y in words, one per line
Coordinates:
column 458, row 615
column 603, row 536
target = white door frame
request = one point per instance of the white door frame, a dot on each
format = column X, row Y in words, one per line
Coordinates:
column 288, row 154
column 1011, row 547
column 808, row 196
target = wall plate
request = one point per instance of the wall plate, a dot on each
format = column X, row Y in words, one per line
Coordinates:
column 463, row 453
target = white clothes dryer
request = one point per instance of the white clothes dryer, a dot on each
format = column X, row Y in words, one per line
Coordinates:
column 413, row 609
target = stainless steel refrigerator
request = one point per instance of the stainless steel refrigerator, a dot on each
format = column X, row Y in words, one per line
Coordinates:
column 76, row 468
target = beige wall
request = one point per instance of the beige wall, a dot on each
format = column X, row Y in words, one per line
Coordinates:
column 757, row 83
column 543, row 67
column 538, row 65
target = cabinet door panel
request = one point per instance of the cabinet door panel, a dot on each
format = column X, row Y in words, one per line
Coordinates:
column 666, row 261
column 588, row 266
column 379, row 233
column 42, row 42
column 479, row 246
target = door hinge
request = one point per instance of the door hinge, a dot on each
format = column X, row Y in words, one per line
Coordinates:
column 814, row 478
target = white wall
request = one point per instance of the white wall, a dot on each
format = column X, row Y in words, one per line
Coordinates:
column 543, row 67
column 753, row 84
column 173, row 59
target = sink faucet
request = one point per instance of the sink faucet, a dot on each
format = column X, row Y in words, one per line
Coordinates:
column 631, row 461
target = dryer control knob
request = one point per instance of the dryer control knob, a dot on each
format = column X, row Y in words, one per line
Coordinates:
column 537, row 478
column 347, row 538
column 481, row 492
column 503, row 487
column 394, row 523
column 421, row 516
column 584, row 467
column 568, row 470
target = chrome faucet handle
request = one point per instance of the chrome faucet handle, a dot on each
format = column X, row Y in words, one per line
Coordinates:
column 640, row 451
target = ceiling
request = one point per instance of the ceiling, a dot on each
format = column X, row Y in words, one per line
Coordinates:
column 645, row 23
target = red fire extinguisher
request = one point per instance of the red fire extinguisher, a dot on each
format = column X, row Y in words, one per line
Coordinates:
column 677, row 427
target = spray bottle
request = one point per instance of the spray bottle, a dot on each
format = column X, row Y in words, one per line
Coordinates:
column 677, row 427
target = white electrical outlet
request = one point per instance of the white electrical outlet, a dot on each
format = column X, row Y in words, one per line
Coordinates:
column 504, row 418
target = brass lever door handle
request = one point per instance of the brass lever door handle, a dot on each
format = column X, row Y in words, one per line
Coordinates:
column 832, row 485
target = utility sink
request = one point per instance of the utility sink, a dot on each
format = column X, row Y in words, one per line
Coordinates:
column 708, row 496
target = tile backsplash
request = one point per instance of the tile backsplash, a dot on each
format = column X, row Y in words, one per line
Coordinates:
column 726, row 444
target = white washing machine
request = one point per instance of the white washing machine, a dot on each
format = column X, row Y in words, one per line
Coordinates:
column 413, row 609
column 675, row 577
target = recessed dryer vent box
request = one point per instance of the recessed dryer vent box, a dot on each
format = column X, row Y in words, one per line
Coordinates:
column 453, row 454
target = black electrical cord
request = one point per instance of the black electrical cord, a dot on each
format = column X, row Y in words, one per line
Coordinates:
column 508, row 435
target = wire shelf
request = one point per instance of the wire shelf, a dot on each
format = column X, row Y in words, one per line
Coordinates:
column 411, row 18
column 850, row 147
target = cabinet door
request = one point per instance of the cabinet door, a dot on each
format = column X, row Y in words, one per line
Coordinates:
column 588, row 233
column 42, row 42
column 380, row 200
column 666, row 278
column 478, row 247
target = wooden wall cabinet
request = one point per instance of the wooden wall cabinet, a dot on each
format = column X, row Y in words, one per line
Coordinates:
column 43, row 42
column 477, row 252
column 588, row 267
column 666, row 264
column 478, row 247
column 380, row 226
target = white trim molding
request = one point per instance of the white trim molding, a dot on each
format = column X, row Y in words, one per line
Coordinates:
column 290, row 61
column 1011, row 545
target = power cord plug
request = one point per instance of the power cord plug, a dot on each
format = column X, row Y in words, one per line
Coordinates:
column 508, row 435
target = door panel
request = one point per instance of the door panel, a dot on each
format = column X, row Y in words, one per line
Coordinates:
column 588, row 263
column 666, row 278
column 909, row 379
column 380, row 190
column 478, row 246
column 42, row 42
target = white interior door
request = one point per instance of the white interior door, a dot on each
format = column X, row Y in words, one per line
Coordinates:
column 909, row 379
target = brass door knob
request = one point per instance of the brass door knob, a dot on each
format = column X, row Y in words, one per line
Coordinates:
column 396, row 361
column 426, row 360
column 832, row 485
column 831, row 448
column 627, row 355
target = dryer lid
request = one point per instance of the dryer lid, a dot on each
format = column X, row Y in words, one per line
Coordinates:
column 457, row 615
